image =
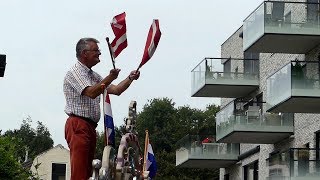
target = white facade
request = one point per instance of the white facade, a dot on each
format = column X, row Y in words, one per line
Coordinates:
column 46, row 161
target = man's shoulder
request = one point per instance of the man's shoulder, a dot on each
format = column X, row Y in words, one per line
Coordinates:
column 71, row 71
column 75, row 68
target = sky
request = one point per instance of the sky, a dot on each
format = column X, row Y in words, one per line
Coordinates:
column 39, row 37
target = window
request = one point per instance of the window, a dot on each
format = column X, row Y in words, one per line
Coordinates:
column 226, row 177
column 303, row 160
column 251, row 66
column 275, row 172
column 251, row 171
column 58, row 171
column 318, row 151
column 260, row 101
column 227, row 68
column 313, row 12
column 233, row 148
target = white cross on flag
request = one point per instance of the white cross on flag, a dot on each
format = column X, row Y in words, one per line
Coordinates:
column 119, row 28
column 152, row 42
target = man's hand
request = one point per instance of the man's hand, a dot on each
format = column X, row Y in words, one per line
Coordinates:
column 134, row 75
column 114, row 73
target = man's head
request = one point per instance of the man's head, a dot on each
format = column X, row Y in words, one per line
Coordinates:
column 88, row 51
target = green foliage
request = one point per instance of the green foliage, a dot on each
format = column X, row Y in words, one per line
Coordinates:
column 10, row 168
column 159, row 118
column 100, row 140
column 34, row 140
column 167, row 125
column 100, row 145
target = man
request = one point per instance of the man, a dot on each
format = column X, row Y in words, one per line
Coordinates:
column 82, row 88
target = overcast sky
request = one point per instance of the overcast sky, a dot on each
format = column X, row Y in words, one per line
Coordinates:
column 39, row 39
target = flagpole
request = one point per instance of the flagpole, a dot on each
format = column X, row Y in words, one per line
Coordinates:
column 138, row 68
column 146, row 143
column 106, row 138
column 111, row 54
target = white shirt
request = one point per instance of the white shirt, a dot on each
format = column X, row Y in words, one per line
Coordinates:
column 76, row 80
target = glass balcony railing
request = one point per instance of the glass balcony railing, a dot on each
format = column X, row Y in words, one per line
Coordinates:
column 280, row 17
column 294, row 164
column 210, row 78
column 297, row 81
column 204, row 147
column 248, row 119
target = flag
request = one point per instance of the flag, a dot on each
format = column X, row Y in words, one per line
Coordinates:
column 118, row 25
column 108, row 121
column 151, row 164
column 152, row 42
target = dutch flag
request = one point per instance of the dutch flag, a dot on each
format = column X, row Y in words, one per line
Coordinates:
column 108, row 121
column 151, row 164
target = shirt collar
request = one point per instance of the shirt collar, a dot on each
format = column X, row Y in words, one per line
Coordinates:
column 84, row 67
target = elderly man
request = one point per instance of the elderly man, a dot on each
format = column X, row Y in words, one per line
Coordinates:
column 82, row 88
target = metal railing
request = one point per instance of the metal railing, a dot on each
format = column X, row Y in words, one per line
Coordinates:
column 212, row 69
column 296, row 162
column 281, row 17
column 205, row 146
column 297, row 78
column 249, row 115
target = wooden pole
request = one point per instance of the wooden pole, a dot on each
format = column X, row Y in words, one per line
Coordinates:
column 111, row 54
column 138, row 68
column 146, row 143
column 106, row 135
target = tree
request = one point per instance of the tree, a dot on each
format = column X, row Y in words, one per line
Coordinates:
column 100, row 140
column 10, row 168
column 209, row 125
column 167, row 125
column 35, row 141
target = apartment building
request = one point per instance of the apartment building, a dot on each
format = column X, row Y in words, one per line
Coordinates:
column 268, row 75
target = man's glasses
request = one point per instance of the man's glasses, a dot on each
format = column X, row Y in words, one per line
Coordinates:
column 95, row 50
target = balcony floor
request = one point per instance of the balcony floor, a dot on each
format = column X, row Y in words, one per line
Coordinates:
column 222, row 90
column 297, row 104
column 255, row 137
column 207, row 163
column 285, row 43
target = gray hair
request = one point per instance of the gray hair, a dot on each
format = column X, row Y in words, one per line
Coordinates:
column 83, row 45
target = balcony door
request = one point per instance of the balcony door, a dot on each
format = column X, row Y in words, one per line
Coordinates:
column 318, row 151
column 251, row 66
column 251, row 171
column 227, row 68
column 313, row 12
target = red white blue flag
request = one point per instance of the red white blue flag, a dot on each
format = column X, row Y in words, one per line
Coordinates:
column 108, row 121
column 151, row 164
column 118, row 25
column 152, row 41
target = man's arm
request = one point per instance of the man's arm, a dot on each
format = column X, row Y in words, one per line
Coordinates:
column 97, row 89
column 123, row 85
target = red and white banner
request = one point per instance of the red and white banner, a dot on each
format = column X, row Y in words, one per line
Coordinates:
column 152, row 42
column 119, row 28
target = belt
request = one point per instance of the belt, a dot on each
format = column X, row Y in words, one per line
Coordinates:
column 90, row 121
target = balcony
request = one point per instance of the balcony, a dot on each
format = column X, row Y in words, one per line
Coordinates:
column 282, row 27
column 244, row 122
column 197, row 151
column 211, row 79
column 294, row 164
column 294, row 88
